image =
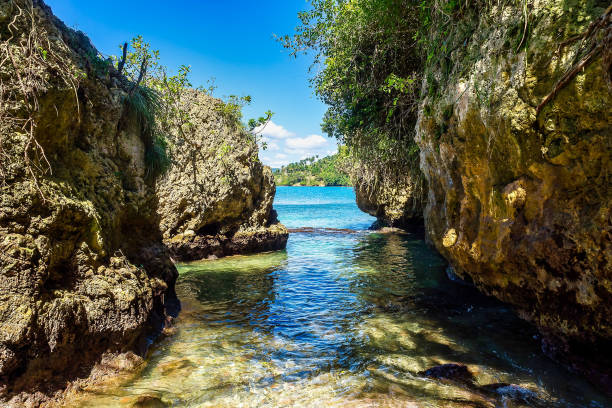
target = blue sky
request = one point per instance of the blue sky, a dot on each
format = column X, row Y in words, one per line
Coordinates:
column 231, row 41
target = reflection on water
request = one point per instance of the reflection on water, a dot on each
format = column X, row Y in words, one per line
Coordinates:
column 341, row 319
column 345, row 320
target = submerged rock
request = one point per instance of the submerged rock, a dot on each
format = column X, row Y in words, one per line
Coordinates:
column 454, row 372
column 218, row 200
column 512, row 392
column 145, row 401
column 503, row 392
column 181, row 366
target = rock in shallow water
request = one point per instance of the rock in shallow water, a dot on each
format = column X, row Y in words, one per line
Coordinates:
column 83, row 269
column 218, row 201
column 453, row 372
column 518, row 200
column 145, row 401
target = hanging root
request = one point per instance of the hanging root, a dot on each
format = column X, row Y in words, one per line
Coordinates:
column 595, row 44
column 26, row 58
column 607, row 55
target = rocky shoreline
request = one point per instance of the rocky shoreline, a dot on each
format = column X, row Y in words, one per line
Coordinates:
column 518, row 196
column 84, row 219
column 192, row 247
column 515, row 193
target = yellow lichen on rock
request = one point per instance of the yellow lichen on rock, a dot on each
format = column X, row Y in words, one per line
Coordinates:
column 450, row 238
column 529, row 192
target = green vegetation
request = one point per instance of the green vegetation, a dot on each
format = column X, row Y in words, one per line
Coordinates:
column 157, row 98
column 312, row 171
column 369, row 76
column 372, row 60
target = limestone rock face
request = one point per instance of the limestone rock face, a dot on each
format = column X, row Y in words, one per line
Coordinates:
column 394, row 199
column 518, row 201
column 83, row 269
column 216, row 199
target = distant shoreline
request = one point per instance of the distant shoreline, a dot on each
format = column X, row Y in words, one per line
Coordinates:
column 290, row 185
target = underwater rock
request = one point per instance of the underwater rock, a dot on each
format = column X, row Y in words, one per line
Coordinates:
column 147, row 401
column 178, row 366
column 517, row 394
column 453, row 372
column 460, row 374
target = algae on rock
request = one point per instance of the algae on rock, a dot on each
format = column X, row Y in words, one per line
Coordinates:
column 518, row 201
column 83, row 267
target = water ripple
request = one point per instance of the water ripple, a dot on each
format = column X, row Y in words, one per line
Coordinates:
column 342, row 318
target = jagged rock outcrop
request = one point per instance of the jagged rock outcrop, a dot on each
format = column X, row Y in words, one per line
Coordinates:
column 393, row 197
column 216, row 199
column 519, row 201
column 83, row 268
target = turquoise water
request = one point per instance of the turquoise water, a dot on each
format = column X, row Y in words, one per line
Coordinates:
column 344, row 317
column 320, row 207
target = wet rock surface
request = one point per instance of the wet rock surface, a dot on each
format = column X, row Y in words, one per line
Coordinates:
column 496, row 392
column 455, row 372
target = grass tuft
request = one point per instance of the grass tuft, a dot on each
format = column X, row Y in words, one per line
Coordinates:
column 147, row 104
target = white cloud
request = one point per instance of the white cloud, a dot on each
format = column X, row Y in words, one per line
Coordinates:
column 308, row 142
column 272, row 145
column 284, row 147
column 274, row 131
column 276, row 163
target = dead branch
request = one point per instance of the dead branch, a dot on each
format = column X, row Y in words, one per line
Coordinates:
column 565, row 79
column 141, row 75
column 123, row 58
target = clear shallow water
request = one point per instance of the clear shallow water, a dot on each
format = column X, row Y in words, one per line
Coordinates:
column 340, row 319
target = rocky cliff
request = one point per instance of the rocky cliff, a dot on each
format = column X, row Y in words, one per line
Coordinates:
column 519, row 195
column 83, row 267
column 88, row 220
column 216, row 198
column 394, row 195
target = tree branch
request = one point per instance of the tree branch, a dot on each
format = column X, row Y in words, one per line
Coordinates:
column 122, row 62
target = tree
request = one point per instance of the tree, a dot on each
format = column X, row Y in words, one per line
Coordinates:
column 157, row 97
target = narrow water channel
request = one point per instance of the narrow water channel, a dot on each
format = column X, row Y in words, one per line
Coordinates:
column 345, row 317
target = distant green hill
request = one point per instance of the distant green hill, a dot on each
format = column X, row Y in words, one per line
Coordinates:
column 312, row 171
